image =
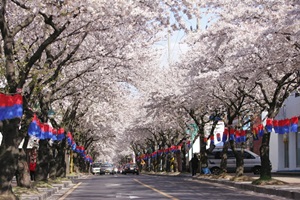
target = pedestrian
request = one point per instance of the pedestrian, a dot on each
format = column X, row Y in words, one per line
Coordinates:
column 195, row 163
column 32, row 166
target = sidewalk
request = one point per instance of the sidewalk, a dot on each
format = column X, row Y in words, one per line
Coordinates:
column 46, row 191
column 289, row 190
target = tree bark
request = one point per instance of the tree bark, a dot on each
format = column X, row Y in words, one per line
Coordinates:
column 239, row 160
column 52, row 164
column 42, row 168
column 60, row 160
column 9, row 155
column 22, row 173
column 183, row 152
column 266, row 166
column 224, row 157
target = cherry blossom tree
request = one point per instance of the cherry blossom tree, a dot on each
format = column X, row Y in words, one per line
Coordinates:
column 39, row 35
column 257, row 43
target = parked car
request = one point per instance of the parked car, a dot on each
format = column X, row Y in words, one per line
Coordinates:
column 106, row 168
column 95, row 168
column 252, row 162
column 131, row 168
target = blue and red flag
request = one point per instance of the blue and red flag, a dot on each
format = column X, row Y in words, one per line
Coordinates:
column 212, row 139
column 154, row 154
column 219, row 137
column 189, row 144
column 286, row 125
column 225, row 135
column 11, row 106
column 34, row 128
column 160, row 152
column 88, row 159
column 243, row 136
column 294, row 124
column 269, row 125
column 237, row 136
column 276, row 126
column 70, row 139
column 46, row 131
column 281, row 126
column 260, row 130
column 60, row 134
column 173, row 148
column 80, row 150
column 167, row 150
column 231, row 134
column 54, row 133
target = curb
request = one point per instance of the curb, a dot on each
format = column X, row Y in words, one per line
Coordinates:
column 46, row 192
column 270, row 189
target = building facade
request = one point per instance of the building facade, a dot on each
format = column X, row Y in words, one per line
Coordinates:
column 285, row 148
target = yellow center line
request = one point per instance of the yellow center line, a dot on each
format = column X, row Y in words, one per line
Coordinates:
column 69, row 192
column 156, row 190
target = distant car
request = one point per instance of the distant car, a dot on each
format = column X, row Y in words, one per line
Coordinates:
column 131, row 168
column 252, row 162
column 95, row 168
column 107, row 168
column 115, row 169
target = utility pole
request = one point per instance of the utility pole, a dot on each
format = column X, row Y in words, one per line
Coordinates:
column 197, row 16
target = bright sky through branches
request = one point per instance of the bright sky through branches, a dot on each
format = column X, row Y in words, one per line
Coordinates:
column 173, row 47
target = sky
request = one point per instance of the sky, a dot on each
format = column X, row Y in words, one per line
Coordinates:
column 175, row 45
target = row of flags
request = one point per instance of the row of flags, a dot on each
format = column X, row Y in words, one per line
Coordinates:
column 159, row 152
column 279, row 126
column 44, row 130
column 78, row 149
column 231, row 134
column 282, row 126
column 11, row 106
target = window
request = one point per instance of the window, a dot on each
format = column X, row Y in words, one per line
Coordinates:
column 211, row 155
column 96, row 165
column 230, row 155
column 248, row 155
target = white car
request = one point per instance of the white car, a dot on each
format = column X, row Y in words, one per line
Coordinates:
column 252, row 162
column 95, row 168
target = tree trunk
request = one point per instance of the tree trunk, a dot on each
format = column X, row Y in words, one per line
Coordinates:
column 52, row 164
column 203, row 154
column 164, row 168
column 61, row 160
column 238, row 158
column 183, row 152
column 168, row 162
column 266, row 166
column 224, row 157
column 9, row 156
column 22, row 173
column 42, row 168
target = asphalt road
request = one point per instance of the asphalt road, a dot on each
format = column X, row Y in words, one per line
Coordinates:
column 147, row 187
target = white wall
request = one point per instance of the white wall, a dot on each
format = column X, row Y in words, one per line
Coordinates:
column 291, row 108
